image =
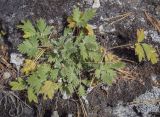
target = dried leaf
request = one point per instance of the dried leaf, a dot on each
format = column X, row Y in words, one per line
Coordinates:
column 89, row 30
column 71, row 24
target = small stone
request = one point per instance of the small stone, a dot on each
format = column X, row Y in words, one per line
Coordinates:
column 70, row 115
column 6, row 75
column 89, row 2
column 65, row 96
column 16, row 59
column 85, row 100
column 96, row 4
column 89, row 89
column 55, row 114
column 155, row 36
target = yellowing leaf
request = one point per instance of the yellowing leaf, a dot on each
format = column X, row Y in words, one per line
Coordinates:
column 71, row 24
column 110, row 57
column 102, row 49
column 48, row 89
column 89, row 30
column 140, row 35
column 150, row 53
column 29, row 66
column 139, row 51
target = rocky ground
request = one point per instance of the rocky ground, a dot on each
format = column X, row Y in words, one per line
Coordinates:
column 115, row 24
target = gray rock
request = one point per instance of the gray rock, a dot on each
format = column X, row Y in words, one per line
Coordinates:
column 148, row 102
column 55, row 114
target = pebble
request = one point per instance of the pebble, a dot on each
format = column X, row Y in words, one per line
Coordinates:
column 96, row 4
column 55, row 114
column 16, row 59
column 6, row 75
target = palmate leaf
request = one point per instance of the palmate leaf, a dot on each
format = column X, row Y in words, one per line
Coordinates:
column 139, row 51
column 28, row 29
column 48, row 89
column 54, row 74
column 28, row 66
column 89, row 30
column 43, row 70
column 150, row 53
column 81, row 90
column 140, row 35
column 18, row 85
column 83, row 51
column 94, row 56
column 71, row 22
column 29, row 47
column 35, row 82
column 116, row 65
column 108, row 76
column 41, row 25
column 90, row 42
column 76, row 15
column 88, row 15
column 31, row 95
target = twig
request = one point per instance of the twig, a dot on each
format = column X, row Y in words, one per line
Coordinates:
column 118, row 16
column 125, row 73
column 153, row 21
column 152, row 101
column 121, row 18
column 127, row 60
column 19, row 99
column 120, row 46
column 83, row 108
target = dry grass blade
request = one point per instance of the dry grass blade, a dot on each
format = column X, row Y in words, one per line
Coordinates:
column 83, row 108
column 118, row 18
column 155, row 22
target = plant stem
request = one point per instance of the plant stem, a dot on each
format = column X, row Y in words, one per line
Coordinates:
column 120, row 46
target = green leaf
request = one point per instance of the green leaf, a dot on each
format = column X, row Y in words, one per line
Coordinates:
column 76, row 15
column 41, row 25
column 108, row 76
column 47, row 31
column 140, row 35
column 29, row 47
column 150, row 53
column 97, row 73
column 67, row 31
column 69, row 89
column 43, row 28
column 28, row 29
column 48, row 89
column 94, row 56
column 139, row 51
column 88, row 14
column 31, row 95
column 81, row 90
column 43, row 70
column 83, row 51
column 117, row 65
column 35, row 82
column 54, row 74
column 19, row 85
